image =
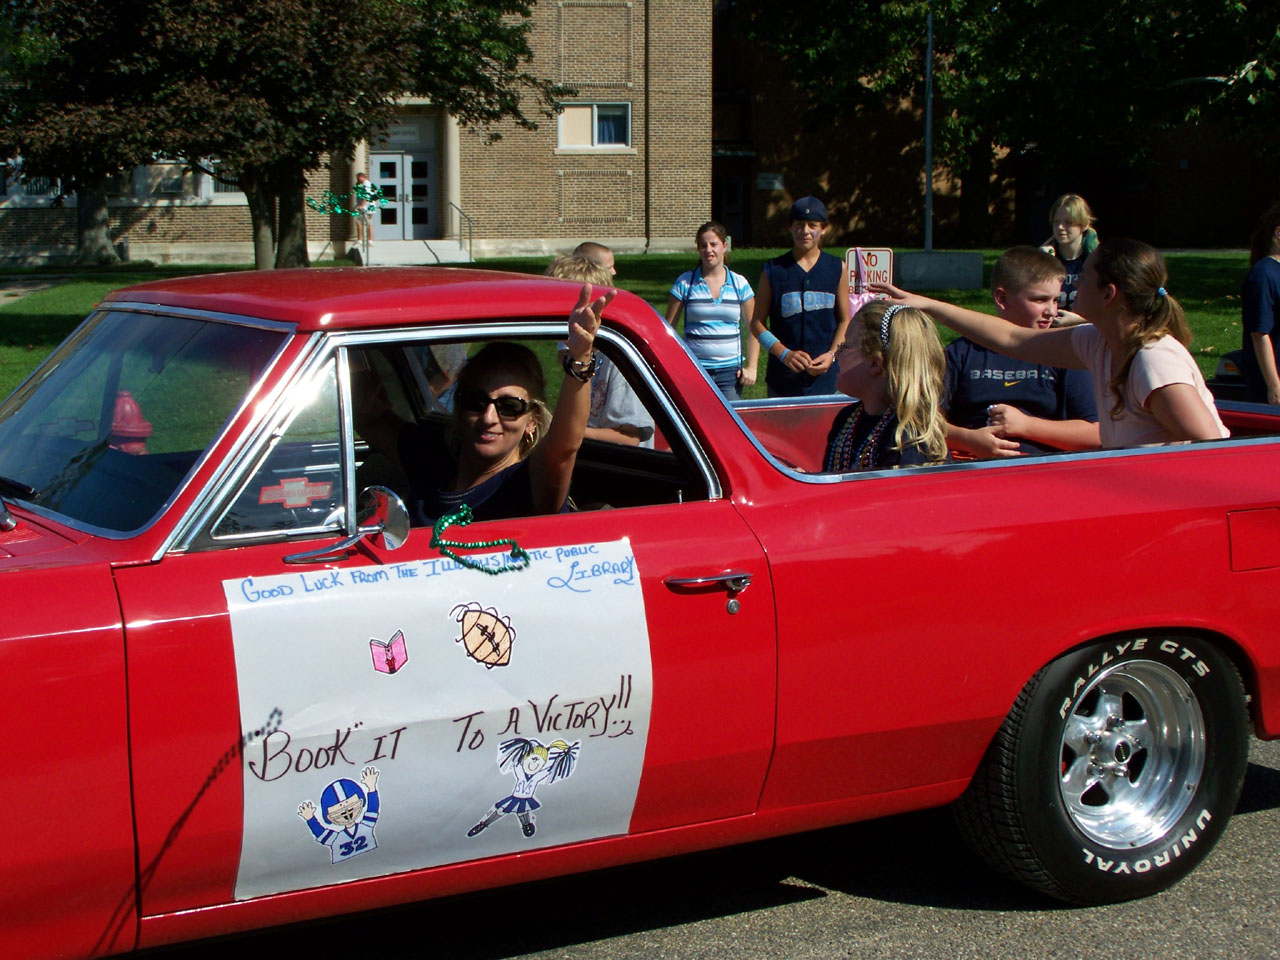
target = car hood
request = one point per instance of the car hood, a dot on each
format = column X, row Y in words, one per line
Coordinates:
column 37, row 544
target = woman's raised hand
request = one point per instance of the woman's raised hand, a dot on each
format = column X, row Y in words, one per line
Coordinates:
column 584, row 321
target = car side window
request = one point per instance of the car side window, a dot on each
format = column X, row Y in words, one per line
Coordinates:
column 298, row 485
column 609, row 473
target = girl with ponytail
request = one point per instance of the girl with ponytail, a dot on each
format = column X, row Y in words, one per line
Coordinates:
column 1148, row 387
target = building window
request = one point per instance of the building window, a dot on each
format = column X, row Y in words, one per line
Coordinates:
column 12, row 183
column 228, row 185
column 164, row 180
column 595, row 125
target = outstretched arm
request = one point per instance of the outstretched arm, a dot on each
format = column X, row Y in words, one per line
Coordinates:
column 1009, row 421
column 1049, row 347
column 551, row 463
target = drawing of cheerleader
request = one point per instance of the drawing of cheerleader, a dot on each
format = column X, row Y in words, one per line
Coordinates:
column 532, row 764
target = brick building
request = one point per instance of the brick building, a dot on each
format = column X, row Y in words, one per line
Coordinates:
column 628, row 162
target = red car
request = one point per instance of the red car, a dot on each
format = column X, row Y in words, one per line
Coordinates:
column 253, row 695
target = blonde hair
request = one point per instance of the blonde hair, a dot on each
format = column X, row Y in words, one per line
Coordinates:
column 545, row 752
column 579, row 267
column 914, row 366
column 1075, row 207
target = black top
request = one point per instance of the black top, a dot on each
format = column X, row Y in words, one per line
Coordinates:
column 859, row 441
column 431, row 469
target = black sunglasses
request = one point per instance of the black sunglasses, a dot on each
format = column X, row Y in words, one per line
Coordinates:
column 509, row 408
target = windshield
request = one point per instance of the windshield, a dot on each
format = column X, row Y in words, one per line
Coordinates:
column 108, row 428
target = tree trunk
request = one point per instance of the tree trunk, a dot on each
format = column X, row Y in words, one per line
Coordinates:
column 262, row 212
column 291, row 251
column 975, row 193
column 93, row 223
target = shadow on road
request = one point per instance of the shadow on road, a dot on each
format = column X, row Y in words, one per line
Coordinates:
column 915, row 859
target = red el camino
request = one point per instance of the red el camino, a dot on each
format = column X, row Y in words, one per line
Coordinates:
column 253, row 695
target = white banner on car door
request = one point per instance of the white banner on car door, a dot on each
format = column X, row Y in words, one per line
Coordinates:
column 426, row 713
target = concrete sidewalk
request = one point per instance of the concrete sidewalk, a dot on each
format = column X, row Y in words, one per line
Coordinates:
column 12, row 290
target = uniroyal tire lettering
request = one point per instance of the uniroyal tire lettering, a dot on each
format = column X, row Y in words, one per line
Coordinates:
column 1174, row 851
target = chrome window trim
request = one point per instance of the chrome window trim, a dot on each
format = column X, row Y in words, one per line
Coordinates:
column 265, row 429
column 289, row 413
column 198, row 518
column 347, row 439
column 544, row 329
column 159, row 309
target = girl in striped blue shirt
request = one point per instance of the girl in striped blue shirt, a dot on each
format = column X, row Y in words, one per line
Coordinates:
column 717, row 305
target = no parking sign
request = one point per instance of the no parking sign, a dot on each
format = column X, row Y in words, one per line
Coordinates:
column 877, row 266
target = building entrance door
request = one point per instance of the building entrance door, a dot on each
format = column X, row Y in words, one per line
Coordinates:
column 408, row 181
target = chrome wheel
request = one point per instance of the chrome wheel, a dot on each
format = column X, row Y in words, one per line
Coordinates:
column 1132, row 754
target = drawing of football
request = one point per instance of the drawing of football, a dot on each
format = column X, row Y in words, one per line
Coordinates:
column 486, row 634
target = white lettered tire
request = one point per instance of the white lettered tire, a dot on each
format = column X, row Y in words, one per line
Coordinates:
column 1116, row 770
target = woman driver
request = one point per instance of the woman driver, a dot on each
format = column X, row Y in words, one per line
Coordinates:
column 507, row 455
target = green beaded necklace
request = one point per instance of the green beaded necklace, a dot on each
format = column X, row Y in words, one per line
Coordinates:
column 461, row 517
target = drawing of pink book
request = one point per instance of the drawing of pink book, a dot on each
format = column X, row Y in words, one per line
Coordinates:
column 389, row 655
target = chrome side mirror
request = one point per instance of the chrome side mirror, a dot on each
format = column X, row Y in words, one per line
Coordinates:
column 380, row 515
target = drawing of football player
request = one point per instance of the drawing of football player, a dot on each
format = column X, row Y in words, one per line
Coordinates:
column 352, row 813
column 532, row 764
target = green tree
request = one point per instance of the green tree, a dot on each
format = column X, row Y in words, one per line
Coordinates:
column 65, row 114
column 1060, row 84
column 267, row 87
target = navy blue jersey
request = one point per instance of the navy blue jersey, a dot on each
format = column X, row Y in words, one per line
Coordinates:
column 1260, row 311
column 803, row 317
column 1073, row 269
column 978, row 377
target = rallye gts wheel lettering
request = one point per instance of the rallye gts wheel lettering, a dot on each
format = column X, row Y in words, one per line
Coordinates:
column 1131, row 646
column 1121, row 648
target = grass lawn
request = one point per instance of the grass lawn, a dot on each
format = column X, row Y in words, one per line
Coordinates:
column 1206, row 283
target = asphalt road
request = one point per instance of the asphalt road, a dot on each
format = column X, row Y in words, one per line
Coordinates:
column 900, row 887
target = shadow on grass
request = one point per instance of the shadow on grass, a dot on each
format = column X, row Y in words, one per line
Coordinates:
column 37, row 331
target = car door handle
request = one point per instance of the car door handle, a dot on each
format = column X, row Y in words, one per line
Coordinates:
column 735, row 581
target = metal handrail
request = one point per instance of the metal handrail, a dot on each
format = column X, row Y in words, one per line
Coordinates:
column 470, row 225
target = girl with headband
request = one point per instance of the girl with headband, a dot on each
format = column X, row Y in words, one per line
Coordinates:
column 1147, row 386
column 891, row 360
